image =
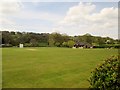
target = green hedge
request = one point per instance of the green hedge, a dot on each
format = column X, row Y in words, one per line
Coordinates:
column 36, row 45
column 108, row 46
column 7, row 45
column 106, row 76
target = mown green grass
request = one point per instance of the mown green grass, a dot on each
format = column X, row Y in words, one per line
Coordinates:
column 50, row 67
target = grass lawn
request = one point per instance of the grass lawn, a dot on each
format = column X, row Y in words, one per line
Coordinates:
column 50, row 67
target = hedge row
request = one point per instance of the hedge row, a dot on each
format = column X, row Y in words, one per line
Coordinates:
column 107, row 46
column 46, row 45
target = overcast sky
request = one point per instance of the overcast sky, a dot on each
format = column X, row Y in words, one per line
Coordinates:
column 72, row 18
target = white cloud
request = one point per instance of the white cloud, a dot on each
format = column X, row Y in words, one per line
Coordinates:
column 24, row 28
column 12, row 7
column 15, row 11
column 38, row 15
column 8, row 8
column 82, row 18
column 5, row 21
column 78, row 13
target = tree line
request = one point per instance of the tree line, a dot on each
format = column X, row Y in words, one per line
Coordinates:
column 30, row 39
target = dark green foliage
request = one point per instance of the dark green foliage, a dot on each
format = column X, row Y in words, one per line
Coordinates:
column 54, row 39
column 106, row 76
column 6, row 45
column 43, row 44
column 57, row 44
column 108, row 46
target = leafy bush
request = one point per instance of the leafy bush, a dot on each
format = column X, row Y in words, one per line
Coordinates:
column 57, row 44
column 70, row 43
column 64, row 44
column 106, row 76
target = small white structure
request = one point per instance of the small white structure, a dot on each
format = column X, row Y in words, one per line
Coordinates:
column 21, row 45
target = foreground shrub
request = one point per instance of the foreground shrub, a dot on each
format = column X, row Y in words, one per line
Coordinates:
column 106, row 76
